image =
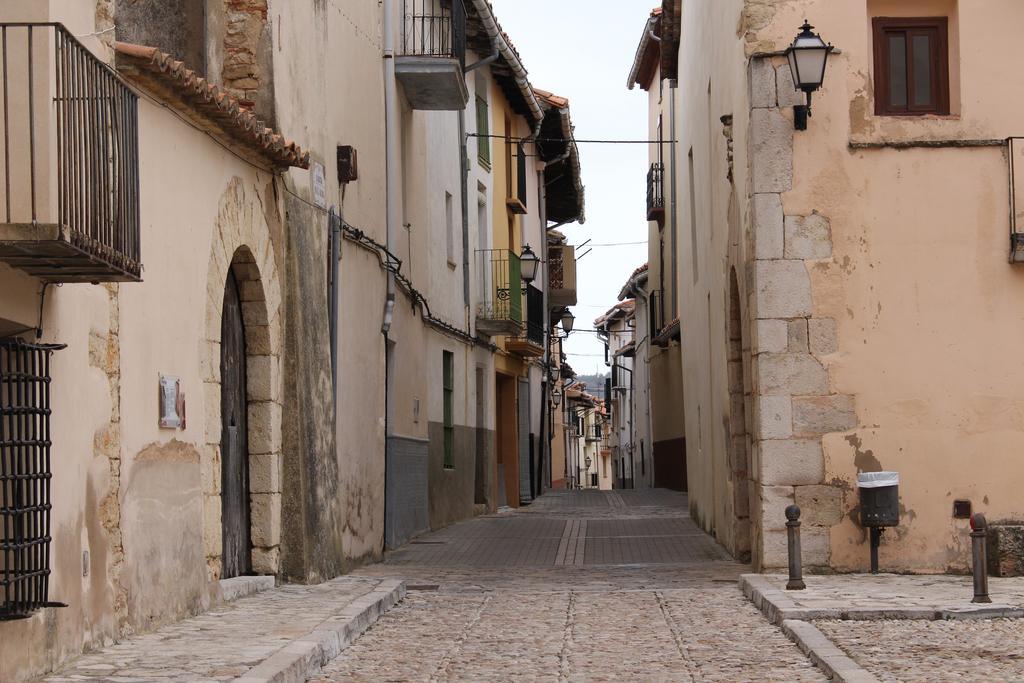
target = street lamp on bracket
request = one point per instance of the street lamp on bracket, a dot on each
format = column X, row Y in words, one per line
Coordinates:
column 567, row 321
column 528, row 262
column 807, row 57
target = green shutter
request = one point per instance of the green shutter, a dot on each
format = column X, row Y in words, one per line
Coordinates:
column 515, row 288
column 483, row 143
column 449, row 409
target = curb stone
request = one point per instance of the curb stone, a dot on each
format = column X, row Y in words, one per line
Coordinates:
column 304, row 657
column 825, row 655
column 244, row 586
column 778, row 607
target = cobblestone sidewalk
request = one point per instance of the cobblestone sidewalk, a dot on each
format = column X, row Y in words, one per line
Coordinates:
column 225, row 642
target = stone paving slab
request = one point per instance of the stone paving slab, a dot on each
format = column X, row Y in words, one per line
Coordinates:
column 705, row 631
column 882, row 596
column 284, row 634
column 926, row 651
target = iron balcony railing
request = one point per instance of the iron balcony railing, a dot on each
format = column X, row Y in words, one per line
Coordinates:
column 66, row 111
column 434, row 28
column 656, row 192
column 501, row 295
column 556, row 268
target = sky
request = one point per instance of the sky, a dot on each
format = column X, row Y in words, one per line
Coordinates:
column 583, row 50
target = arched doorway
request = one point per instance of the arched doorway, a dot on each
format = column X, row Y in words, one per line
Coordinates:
column 235, row 502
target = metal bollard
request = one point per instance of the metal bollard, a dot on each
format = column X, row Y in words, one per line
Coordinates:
column 796, row 579
column 979, row 532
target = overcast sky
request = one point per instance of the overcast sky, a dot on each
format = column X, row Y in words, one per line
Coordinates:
column 583, row 50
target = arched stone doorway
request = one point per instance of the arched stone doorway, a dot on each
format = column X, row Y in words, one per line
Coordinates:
column 242, row 394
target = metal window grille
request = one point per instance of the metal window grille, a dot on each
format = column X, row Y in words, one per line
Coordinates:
column 24, row 477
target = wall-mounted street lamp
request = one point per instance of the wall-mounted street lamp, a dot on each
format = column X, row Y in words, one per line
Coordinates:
column 528, row 262
column 588, row 462
column 807, row 57
column 556, row 398
column 567, row 321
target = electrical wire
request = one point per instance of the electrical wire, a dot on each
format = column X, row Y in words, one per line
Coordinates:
column 392, row 264
column 572, row 140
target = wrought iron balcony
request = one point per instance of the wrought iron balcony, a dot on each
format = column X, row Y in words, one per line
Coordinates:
column 656, row 193
column 432, row 60
column 562, row 275
column 70, row 154
column 500, row 307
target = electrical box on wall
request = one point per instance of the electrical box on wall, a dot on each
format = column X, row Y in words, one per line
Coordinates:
column 172, row 403
column 348, row 164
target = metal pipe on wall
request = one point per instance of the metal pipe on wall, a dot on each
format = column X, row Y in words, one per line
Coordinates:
column 391, row 216
column 392, row 152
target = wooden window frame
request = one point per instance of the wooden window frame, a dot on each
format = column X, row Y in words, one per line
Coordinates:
column 448, row 380
column 940, row 65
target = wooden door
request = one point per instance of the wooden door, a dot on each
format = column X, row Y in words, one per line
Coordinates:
column 234, row 438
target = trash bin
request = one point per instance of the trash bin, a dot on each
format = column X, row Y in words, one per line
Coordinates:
column 879, row 498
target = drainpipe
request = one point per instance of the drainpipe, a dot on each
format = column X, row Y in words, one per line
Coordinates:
column 391, row 126
column 335, row 220
column 672, row 85
column 391, row 121
column 545, row 386
column 464, row 168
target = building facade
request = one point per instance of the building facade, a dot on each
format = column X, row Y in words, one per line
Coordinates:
column 657, row 288
column 846, row 281
column 253, row 302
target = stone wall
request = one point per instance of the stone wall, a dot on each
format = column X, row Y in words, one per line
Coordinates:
column 794, row 403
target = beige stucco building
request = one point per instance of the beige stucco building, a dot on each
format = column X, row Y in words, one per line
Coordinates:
column 265, row 363
column 846, row 297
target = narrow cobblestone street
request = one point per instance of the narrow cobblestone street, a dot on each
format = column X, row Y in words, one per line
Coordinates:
column 579, row 586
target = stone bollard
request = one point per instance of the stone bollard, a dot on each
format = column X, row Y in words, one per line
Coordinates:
column 796, row 579
column 979, row 531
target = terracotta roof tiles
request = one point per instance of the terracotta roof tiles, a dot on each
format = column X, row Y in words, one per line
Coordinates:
column 211, row 103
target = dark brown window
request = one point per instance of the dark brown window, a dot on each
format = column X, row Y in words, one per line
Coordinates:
column 911, row 66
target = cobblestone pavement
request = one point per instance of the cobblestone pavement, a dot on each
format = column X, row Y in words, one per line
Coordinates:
column 967, row 650
column 581, row 586
column 892, row 591
column 223, row 643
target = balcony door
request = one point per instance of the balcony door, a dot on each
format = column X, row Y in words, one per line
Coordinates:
column 235, row 513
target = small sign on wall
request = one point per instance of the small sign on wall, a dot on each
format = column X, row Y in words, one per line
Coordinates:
column 319, row 179
column 172, row 403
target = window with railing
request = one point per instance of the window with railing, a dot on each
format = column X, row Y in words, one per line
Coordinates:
column 70, row 155
column 501, row 286
column 434, row 28
column 25, row 496
column 656, row 192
